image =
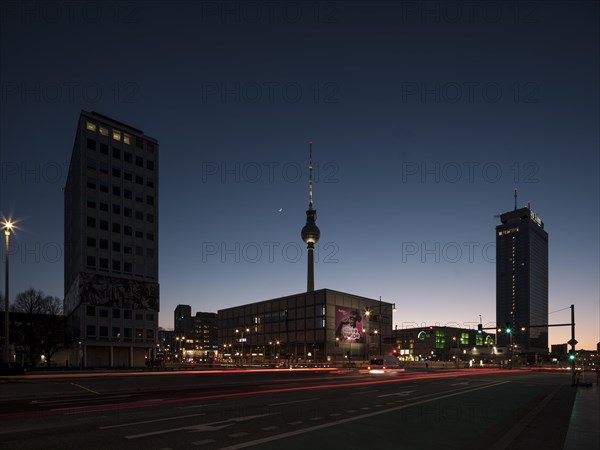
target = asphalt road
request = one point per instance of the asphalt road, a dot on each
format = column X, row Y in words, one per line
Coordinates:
column 484, row 409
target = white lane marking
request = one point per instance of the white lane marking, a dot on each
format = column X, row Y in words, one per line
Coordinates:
column 148, row 421
column 316, row 418
column 74, row 400
column 298, row 422
column 82, row 387
column 203, row 442
column 292, row 402
column 335, row 414
column 464, row 383
column 351, row 419
column 196, row 406
column 403, row 394
column 236, row 435
column 351, row 411
column 200, row 427
column 364, row 392
column 273, row 427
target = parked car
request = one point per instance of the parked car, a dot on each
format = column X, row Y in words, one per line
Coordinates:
column 9, row 368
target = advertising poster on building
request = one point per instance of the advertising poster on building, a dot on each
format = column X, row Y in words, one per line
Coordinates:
column 348, row 322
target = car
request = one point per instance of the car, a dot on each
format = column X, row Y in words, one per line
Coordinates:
column 11, row 369
column 385, row 364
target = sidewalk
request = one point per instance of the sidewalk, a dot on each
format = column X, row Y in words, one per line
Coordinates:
column 584, row 426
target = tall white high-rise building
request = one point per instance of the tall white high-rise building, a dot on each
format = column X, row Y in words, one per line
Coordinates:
column 111, row 243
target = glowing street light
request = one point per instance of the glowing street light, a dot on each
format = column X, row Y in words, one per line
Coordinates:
column 8, row 226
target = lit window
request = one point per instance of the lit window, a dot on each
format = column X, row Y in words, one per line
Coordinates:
column 104, row 131
column 126, row 138
column 116, row 135
column 91, row 126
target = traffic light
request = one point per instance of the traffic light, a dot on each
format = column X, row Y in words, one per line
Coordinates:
column 394, row 352
column 508, row 329
column 479, row 328
column 571, row 356
column 430, row 330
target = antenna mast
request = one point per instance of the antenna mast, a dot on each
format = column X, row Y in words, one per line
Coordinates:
column 310, row 202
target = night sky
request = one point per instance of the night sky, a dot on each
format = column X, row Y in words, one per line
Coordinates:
column 424, row 117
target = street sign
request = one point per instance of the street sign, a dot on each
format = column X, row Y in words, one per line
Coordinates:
column 573, row 342
column 242, row 340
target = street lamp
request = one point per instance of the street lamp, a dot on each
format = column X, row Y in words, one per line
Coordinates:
column 242, row 339
column 8, row 225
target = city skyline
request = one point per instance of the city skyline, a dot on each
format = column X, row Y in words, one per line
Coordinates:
column 421, row 130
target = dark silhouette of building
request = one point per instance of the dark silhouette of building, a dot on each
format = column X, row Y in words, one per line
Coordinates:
column 111, row 243
column 522, row 281
column 182, row 312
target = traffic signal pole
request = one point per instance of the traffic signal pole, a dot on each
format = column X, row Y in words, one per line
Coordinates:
column 573, row 342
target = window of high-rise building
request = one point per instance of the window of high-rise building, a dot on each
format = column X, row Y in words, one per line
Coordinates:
column 116, row 135
column 104, row 131
column 90, row 126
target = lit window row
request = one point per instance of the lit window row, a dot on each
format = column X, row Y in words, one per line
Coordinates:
column 116, row 134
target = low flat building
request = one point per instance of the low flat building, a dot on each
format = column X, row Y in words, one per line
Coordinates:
column 442, row 343
column 317, row 326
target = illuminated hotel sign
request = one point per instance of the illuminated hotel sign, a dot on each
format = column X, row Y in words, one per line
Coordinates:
column 509, row 231
column 535, row 218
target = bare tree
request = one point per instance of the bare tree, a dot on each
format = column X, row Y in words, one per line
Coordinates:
column 39, row 325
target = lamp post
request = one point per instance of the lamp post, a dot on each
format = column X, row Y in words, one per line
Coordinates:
column 7, row 229
column 242, row 339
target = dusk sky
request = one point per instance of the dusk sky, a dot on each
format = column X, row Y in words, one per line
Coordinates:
column 424, row 117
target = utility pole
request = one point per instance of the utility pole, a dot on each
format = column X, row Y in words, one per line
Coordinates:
column 572, row 343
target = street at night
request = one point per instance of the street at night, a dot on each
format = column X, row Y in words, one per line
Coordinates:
column 326, row 408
